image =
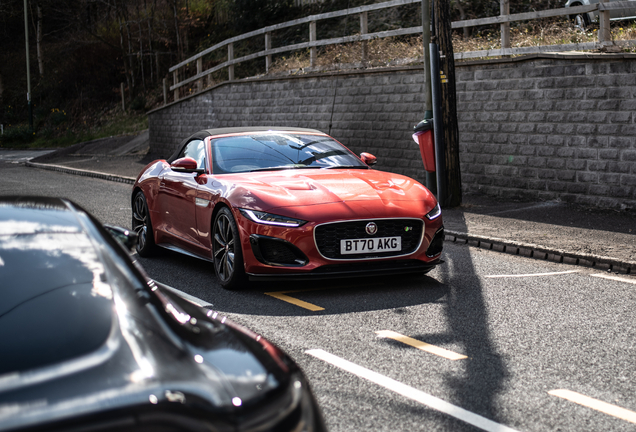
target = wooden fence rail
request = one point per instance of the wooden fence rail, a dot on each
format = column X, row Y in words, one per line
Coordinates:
column 604, row 38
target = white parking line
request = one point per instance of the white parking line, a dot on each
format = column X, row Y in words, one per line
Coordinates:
column 192, row 299
column 596, row 404
column 615, row 278
column 411, row 393
column 533, row 274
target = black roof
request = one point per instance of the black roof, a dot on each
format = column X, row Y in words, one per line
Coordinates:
column 224, row 131
column 202, row 134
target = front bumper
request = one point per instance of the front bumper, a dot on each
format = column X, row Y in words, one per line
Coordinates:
column 354, row 270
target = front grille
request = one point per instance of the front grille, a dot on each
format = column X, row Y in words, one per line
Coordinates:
column 328, row 236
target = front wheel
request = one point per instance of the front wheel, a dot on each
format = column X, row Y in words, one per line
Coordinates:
column 227, row 252
column 142, row 226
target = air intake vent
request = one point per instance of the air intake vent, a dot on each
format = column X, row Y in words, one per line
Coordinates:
column 276, row 252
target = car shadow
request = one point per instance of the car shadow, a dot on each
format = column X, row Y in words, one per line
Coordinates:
column 282, row 298
column 549, row 212
column 455, row 285
column 485, row 371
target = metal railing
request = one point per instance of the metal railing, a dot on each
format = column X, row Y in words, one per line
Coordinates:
column 604, row 38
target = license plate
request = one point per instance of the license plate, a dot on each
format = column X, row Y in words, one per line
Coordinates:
column 380, row 244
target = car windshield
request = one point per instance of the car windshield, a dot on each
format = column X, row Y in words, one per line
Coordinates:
column 266, row 151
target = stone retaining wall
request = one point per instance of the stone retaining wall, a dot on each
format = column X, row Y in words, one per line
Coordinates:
column 541, row 127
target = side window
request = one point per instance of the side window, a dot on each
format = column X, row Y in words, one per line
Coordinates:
column 196, row 150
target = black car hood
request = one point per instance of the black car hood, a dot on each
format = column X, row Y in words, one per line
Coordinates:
column 55, row 303
column 83, row 333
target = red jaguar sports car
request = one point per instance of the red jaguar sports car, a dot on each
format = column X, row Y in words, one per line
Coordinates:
column 265, row 203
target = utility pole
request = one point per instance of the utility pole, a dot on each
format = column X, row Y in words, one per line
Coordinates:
column 26, row 35
column 448, row 105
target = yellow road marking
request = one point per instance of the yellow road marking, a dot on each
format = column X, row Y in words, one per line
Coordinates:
column 280, row 295
column 615, row 278
column 421, row 345
column 533, row 274
column 596, row 404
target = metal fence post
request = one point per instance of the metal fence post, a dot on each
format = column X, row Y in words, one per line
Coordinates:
column 230, row 56
column 165, row 91
column 123, row 97
column 604, row 33
column 312, row 38
column 199, row 70
column 268, row 46
column 157, row 64
column 504, row 9
column 176, row 80
column 364, row 29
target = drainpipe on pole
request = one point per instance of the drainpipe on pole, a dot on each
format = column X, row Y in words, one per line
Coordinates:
column 431, row 181
column 426, row 40
column 438, row 125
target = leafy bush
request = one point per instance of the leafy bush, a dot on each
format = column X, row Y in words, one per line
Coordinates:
column 16, row 135
column 57, row 117
column 138, row 103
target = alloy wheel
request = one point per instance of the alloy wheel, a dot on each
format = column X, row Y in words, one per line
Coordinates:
column 142, row 226
column 224, row 243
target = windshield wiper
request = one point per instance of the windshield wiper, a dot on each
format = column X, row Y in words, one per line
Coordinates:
column 286, row 167
column 347, row 167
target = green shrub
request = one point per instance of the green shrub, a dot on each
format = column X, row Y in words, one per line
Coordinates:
column 16, row 135
column 57, row 117
column 138, row 103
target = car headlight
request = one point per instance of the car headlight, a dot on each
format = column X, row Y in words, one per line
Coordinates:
column 435, row 213
column 271, row 219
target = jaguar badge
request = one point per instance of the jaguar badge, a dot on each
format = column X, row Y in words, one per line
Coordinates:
column 371, row 228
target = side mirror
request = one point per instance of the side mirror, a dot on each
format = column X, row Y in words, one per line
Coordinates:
column 368, row 158
column 127, row 238
column 186, row 165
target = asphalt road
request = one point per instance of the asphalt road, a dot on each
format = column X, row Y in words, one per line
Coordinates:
column 523, row 329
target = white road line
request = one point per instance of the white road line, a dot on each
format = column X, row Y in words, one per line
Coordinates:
column 596, row 404
column 411, row 393
column 533, row 274
column 615, row 278
column 192, row 299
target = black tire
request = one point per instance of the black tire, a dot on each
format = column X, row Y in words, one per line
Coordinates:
column 142, row 226
column 227, row 252
column 581, row 21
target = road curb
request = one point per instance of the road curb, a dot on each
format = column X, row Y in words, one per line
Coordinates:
column 530, row 250
column 86, row 173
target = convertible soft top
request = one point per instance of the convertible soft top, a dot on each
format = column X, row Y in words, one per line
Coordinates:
column 224, row 131
column 231, row 130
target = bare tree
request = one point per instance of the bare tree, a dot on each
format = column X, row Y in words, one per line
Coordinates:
column 38, row 39
column 176, row 28
column 462, row 16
